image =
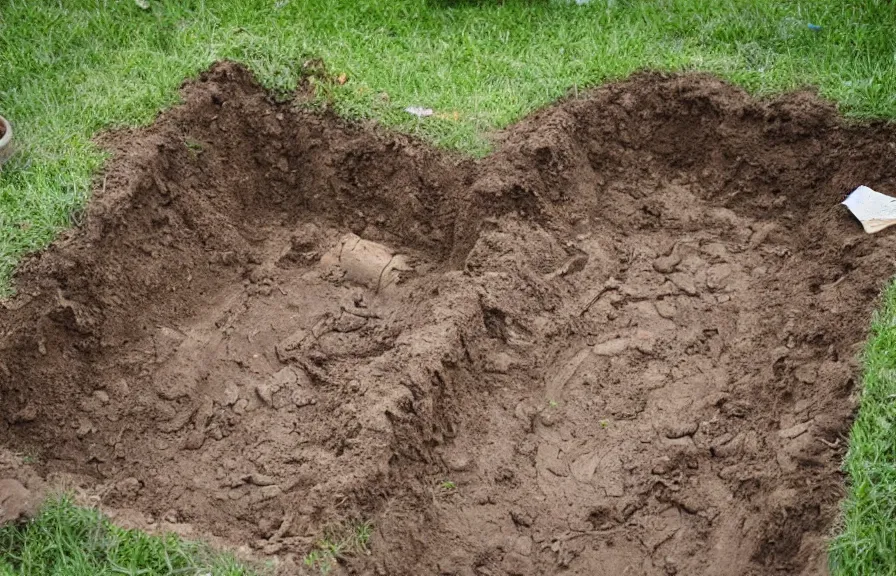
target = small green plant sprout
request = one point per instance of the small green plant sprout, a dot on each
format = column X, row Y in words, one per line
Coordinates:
column 363, row 532
column 448, row 485
column 194, row 146
column 322, row 559
column 553, row 403
column 604, row 423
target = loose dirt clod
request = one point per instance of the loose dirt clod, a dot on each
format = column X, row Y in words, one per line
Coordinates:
column 617, row 343
column 16, row 501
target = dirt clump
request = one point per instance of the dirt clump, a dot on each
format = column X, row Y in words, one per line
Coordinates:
column 16, row 501
column 623, row 343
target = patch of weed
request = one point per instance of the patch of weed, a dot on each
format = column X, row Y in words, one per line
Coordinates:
column 338, row 542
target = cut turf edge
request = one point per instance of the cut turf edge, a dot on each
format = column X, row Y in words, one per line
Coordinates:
column 77, row 541
column 866, row 543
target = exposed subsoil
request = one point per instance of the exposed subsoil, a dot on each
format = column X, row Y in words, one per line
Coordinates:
column 623, row 344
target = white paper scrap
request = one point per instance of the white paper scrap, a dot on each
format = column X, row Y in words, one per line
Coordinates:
column 874, row 210
column 418, row 111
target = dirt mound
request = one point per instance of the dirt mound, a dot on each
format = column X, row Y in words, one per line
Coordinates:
column 624, row 343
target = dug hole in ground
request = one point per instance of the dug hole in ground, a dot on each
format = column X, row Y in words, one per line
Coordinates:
column 625, row 343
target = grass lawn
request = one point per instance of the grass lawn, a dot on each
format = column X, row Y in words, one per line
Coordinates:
column 69, row 541
column 867, row 543
column 70, row 68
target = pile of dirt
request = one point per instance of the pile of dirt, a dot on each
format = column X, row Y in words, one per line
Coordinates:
column 624, row 343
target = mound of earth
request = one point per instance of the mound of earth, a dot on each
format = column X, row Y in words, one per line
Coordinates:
column 623, row 344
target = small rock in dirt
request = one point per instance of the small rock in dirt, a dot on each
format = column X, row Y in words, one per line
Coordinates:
column 260, row 479
column 806, row 374
column 273, row 548
column 680, row 429
column 231, row 394
column 662, row 465
column 716, row 250
column 521, row 518
column 194, row 440
column 685, row 283
column 549, row 418
column 717, row 277
column 302, row 398
column 499, row 362
column 457, row 462
column 101, row 396
column 290, row 347
column 644, row 342
column 284, row 377
column 120, row 389
column 613, row 347
column 727, row 445
column 665, row 308
column 129, row 488
column 85, row 427
column 666, row 264
column 16, row 501
column 760, row 235
column 522, row 545
column 795, row 431
column 176, row 421
column 25, row 415
column 265, row 393
column 526, row 447
column 272, row 491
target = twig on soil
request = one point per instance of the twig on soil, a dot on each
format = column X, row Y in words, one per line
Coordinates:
column 556, row 541
column 572, row 265
column 610, row 284
column 361, row 313
column 832, row 445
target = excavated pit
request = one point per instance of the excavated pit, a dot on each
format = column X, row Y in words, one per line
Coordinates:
column 623, row 344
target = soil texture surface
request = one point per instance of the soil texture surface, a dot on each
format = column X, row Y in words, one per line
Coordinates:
column 623, row 344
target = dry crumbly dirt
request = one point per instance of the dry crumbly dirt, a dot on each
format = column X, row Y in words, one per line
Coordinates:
column 623, row 344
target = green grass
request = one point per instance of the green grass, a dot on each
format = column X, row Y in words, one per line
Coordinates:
column 71, row 68
column 867, row 543
column 338, row 543
column 65, row 540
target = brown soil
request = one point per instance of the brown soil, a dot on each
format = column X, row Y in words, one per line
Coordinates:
column 627, row 338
